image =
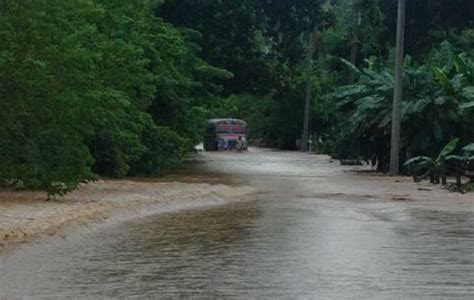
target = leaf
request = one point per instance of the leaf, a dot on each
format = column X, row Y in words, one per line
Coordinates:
column 350, row 90
column 448, row 148
column 420, row 105
column 408, row 61
column 36, row 62
column 350, row 65
column 455, row 157
column 441, row 100
column 214, row 73
column 467, row 105
column 460, row 64
column 386, row 121
column 469, row 148
column 468, row 92
column 442, row 79
column 416, row 159
column 373, row 63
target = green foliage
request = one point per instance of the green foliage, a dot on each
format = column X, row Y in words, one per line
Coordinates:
column 116, row 87
column 464, row 163
column 41, row 70
column 448, row 149
column 230, row 34
column 97, row 87
column 443, row 155
column 263, row 43
column 435, row 168
column 276, row 118
column 433, row 112
column 164, row 150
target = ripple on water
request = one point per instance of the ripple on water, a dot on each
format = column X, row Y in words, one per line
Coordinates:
column 264, row 249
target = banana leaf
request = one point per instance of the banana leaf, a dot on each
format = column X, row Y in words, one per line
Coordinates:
column 467, row 105
column 350, row 65
column 450, row 147
column 469, row 148
column 417, row 159
column 455, row 157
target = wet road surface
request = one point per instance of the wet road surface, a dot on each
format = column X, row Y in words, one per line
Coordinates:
column 314, row 232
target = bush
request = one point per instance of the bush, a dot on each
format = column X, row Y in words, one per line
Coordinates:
column 164, row 150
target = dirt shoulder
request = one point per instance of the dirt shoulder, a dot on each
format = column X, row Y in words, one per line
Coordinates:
column 404, row 189
column 25, row 215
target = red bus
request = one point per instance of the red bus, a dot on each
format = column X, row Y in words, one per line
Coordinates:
column 223, row 134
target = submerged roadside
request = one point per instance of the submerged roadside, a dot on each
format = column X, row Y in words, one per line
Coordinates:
column 26, row 216
column 213, row 179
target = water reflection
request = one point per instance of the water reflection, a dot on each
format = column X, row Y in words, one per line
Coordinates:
column 283, row 248
column 315, row 234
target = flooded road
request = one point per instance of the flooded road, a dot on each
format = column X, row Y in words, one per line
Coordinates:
column 315, row 231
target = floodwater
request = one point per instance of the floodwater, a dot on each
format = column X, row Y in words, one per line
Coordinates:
column 314, row 232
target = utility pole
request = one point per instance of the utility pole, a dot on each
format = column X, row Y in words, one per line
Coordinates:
column 310, row 50
column 398, row 91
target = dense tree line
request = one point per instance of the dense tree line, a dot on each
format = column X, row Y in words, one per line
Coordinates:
column 263, row 43
column 117, row 88
column 97, row 87
column 265, row 46
column 438, row 82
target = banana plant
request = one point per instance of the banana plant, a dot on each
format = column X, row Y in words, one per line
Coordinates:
column 434, row 168
column 469, row 155
column 438, row 104
column 464, row 164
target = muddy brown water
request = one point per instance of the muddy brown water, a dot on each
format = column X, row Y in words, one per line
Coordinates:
column 314, row 233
